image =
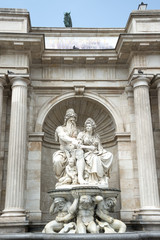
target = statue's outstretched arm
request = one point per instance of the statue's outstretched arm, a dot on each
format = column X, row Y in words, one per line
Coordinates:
column 103, row 216
column 65, row 219
column 71, row 212
column 63, row 136
column 74, row 206
column 52, row 208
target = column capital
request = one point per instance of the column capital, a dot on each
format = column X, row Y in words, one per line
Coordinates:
column 129, row 91
column 19, row 80
column 138, row 80
column 2, row 80
column 156, row 80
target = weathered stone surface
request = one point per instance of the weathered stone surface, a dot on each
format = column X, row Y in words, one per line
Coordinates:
column 96, row 83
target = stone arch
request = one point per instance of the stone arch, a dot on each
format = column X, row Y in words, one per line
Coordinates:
column 111, row 121
column 107, row 104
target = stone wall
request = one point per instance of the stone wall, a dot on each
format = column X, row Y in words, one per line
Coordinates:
column 97, row 83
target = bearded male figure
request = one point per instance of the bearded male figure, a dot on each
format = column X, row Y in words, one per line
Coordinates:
column 66, row 135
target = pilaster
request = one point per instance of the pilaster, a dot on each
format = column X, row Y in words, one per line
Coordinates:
column 2, row 83
column 126, row 175
column 33, row 191
column 157, row 83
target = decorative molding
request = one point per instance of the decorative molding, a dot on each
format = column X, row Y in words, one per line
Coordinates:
column 137, row 80
column 123, row 137
column 79, row 90
column 36, row 137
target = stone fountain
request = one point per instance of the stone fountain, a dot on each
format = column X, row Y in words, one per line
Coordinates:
column 82, row 199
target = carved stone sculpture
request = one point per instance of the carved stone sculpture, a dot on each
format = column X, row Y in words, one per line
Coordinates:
column 97, row 160
column 66, row 135
column 71, row 174
column 85, row 215
column 65, row 214
column 82, row 200
column 106, row 222
column 85, row 152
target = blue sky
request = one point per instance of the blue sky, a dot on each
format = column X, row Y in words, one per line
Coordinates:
column 84, row 13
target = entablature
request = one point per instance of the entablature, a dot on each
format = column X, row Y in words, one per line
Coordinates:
column 22, row 43
column 130, row 44
column 87, row 56
column 127, row 45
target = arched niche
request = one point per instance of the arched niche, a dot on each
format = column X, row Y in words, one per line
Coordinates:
column 85, row 108
column 51, row 116
column 103, row 103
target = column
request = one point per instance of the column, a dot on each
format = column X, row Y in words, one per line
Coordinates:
column 14, row 202
column 148, row 184
column 157, row 82
column 2, row 82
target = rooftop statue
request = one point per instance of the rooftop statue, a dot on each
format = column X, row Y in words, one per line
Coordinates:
column 67, row 19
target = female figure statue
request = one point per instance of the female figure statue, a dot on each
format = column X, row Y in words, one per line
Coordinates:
column 97, row 160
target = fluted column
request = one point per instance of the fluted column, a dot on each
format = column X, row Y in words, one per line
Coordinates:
column 157, row 82
column 14, row 201
column 158, row 88
column 148, row 184
column 2, row 82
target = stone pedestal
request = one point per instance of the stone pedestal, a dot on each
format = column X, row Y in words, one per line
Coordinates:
column 84, row 209
column 13, row 225
column 148, row 184
column 14, row 202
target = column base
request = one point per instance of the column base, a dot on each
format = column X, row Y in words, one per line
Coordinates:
column 13, row 221
column 13, row 224
column 35, row 215
column 13, row 213
column 137, row 225
column 126, row 214
column 149, row 214
column 148, row 219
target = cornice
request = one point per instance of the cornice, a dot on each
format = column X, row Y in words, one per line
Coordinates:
column 16, row 13
column 74, row 31
column 142, row 14
column 35, row 45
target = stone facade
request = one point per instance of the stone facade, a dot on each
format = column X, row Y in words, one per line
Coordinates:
column 38, row 84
